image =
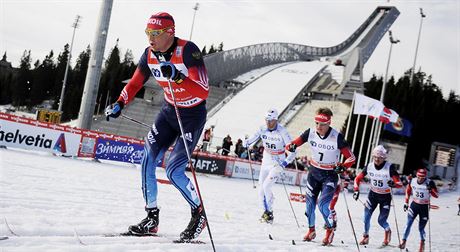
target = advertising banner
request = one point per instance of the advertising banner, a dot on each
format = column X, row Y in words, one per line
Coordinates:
column 109, row 149
column 242, row 169
column 209, row 164
column 18, row 132
column 288, row 176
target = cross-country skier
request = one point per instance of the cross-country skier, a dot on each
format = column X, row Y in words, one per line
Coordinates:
column 420, row 189
column 326, row 145
column 274, row 138
column 169, row 58
column 382, row 176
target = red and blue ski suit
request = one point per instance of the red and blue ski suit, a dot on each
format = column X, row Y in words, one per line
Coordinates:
column 190, row 97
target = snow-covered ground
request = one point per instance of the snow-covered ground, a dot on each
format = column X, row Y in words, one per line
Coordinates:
column 47, row 199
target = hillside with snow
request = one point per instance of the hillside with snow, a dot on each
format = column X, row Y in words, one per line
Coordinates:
column 52, row 203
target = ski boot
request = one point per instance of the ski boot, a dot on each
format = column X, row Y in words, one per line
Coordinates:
column 365, row 240
column 267, row 217
column 310, row 235
column 387, row 238
column 421, row 248
column 329, row 237
column 403, row 244
column 195, row 226
column 147, row 226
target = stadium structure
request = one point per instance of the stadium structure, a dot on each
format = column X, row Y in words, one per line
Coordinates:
column 292, row 78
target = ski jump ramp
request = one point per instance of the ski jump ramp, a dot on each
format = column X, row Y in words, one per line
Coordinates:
column 244, row 113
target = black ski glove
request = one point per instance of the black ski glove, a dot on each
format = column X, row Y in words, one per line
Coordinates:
column 356, row 195
column 169, row 71
column 391, row 183
column 340, row 169
column 291, row 147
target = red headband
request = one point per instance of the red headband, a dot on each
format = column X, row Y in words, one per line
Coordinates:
column 322, row 118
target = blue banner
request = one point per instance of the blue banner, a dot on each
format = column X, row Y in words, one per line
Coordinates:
column 401, row 127
column 119, row 151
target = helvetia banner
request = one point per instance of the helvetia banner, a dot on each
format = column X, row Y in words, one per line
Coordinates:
column 22, row 133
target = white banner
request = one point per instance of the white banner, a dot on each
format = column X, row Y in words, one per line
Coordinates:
column 27, row 136
column 243, row 170
column 289, row 176
column 367, row 106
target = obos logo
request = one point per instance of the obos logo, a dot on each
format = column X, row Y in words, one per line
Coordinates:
column 313, row 143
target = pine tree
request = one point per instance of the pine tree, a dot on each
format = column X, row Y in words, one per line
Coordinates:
column 22, row 82
column 44, row 75
column 110, row 79
column 203, row 52
column 74, row 89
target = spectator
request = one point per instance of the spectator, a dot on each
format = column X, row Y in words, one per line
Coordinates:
column 207, row 138
column 239, row 149
column 226, row 145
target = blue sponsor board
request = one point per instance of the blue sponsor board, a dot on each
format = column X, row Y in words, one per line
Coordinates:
column 119, row 151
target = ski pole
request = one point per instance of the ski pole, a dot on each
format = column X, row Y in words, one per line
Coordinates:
column 287, row 195
column 349, row 216
column 396, row 220
column 250, row 167
column 135, row 121
column 181, row 127
column 429, row 226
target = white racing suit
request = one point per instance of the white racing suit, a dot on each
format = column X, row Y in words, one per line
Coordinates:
column 274, row 142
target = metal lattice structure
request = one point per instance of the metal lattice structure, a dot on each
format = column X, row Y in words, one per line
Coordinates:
column 226, row 65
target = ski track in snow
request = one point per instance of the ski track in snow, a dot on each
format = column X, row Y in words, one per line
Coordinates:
column 47, row 199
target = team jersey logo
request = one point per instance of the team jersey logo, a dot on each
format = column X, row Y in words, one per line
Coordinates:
column 179, row 51
column 156, row 72
column 196, row 55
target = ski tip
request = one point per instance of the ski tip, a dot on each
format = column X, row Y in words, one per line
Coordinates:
column 270, row 237
column 3, row 238
column 293, row 242
column 341, row 241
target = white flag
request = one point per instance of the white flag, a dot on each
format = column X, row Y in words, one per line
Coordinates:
column 367, row 106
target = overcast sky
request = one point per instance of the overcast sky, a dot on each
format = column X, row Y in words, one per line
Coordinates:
column 44, row 25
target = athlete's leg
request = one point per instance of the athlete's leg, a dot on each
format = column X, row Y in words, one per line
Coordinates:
column 369, row 207
column 327, row 192
column 263, row 174
column 159, row 138
column 411, row 214
column 268, row 183
column 193, row 124
column 312, row 191
column 423, row 220
column 384, row 208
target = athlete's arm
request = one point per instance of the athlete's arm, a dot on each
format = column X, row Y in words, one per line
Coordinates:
column 433, row 189
column 395, row 176
column 346, row 151
column 196, row 83
column 140, row 76
column 408, row 192
column 303, row 138
column 358, row 178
